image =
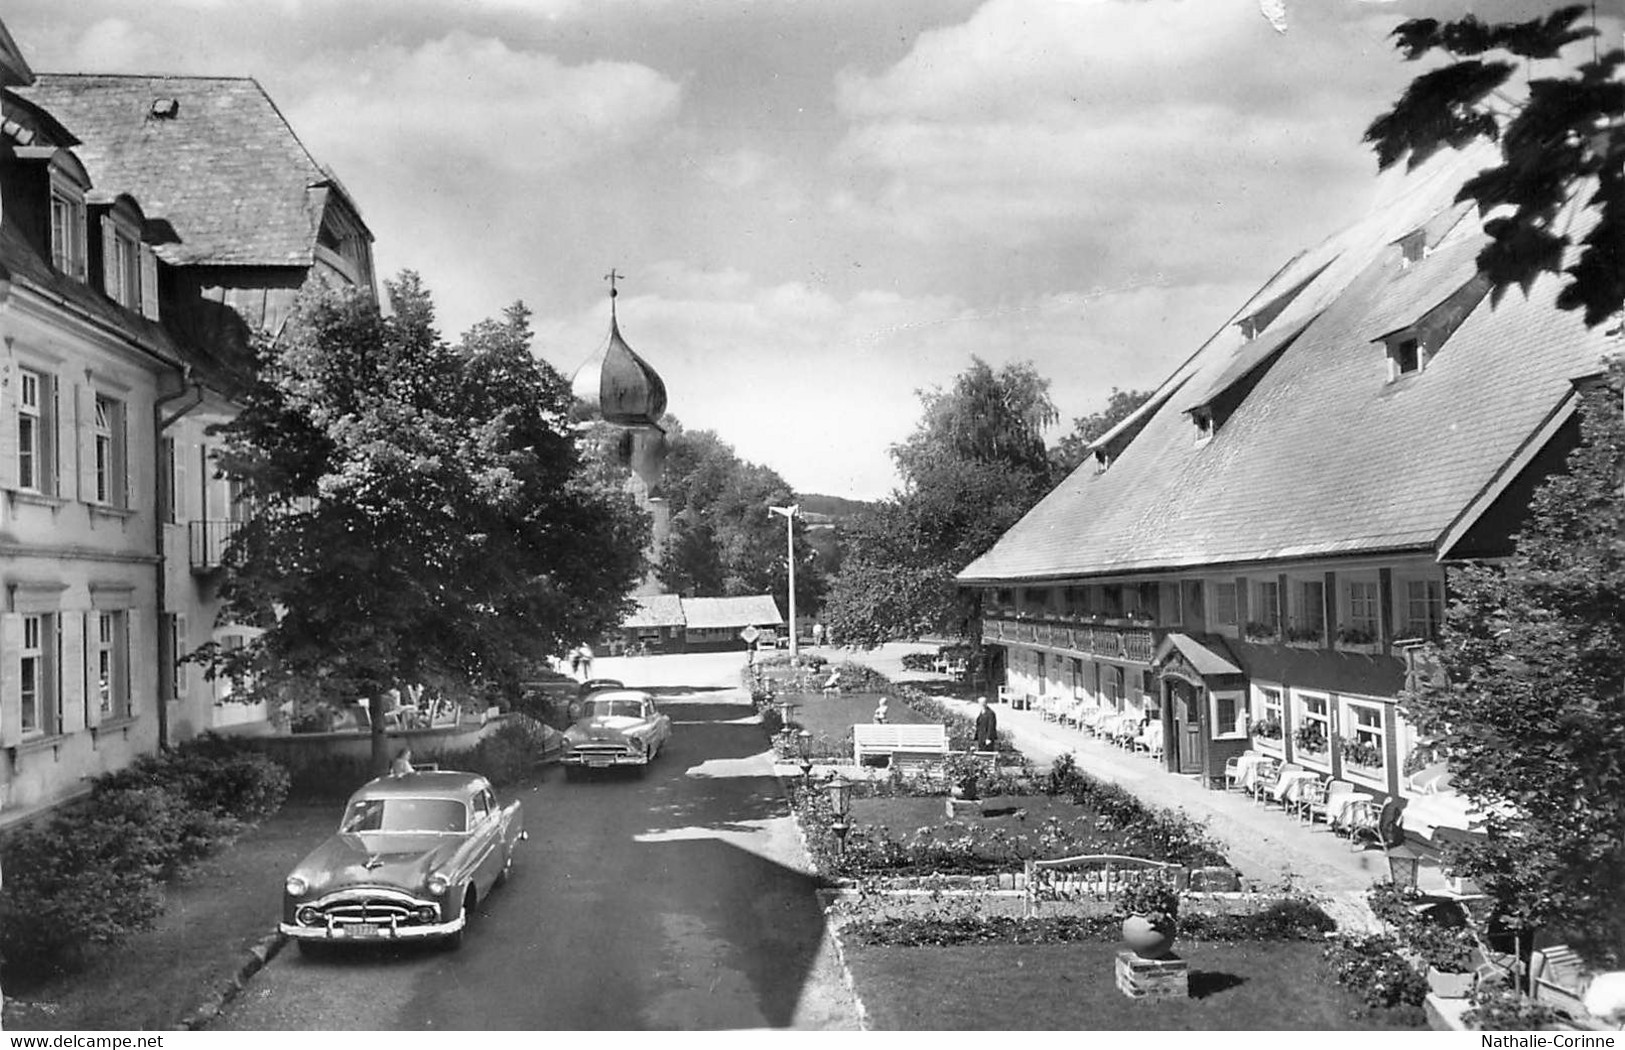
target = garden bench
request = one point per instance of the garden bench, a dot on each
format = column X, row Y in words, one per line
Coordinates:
column 909, row 741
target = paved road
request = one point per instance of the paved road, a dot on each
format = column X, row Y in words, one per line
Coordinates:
column 675, row 900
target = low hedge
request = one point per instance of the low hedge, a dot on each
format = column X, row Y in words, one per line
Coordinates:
column 504, row 756
column 1285, row 920
column 90, row 872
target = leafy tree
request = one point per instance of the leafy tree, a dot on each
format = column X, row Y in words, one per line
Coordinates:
column 973, row 466
column 1567, row 134
column 1532, row 706
column 723, row 539
column 419, row 510
column 1073, row 448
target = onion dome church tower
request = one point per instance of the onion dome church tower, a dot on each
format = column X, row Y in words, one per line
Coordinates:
column 623, row 390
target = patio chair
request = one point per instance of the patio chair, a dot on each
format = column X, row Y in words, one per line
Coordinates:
column 1327, row 801
column 1232, row 768
column 1265, row 774
column 1309, row 794
column 1373, row 824
column 1010, row 696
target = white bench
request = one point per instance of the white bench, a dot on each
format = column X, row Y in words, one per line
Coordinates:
column 914, row 739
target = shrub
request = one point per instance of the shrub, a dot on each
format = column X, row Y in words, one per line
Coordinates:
column 1373, row 969
column 1439, row 935
column 919, row 662
column 1502, row 1010
column 503, row 756
column 90, row 872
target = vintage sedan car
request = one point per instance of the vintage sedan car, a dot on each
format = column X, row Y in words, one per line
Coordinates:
column 616, row 727
column 413, row 856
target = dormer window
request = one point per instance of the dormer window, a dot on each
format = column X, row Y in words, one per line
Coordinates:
column 1203, row 418
column 129, row 271
column 1413, row 247
column 67, row 229
column 1404, row 357
column 1412, row 348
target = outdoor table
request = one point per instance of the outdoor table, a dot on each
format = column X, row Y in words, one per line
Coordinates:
column 1425, row 815
column 1288, row 787
column 1247, row 770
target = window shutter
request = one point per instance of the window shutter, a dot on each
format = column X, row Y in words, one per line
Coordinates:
column 181, row 649
column 11, row 383
column 183, row 494
column 121, row 450
column 139, row 677
column 85, row 428
column 11, row 675
column 52, row 444
column 149, row 283
column 110, row 274
column 79, row 690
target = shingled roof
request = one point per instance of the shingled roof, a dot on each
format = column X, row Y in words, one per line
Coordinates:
column 758, row 610
column 224, row 168
column 1325, row 455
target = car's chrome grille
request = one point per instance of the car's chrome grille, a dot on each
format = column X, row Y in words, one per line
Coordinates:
column 349, row 909
column 601, row 749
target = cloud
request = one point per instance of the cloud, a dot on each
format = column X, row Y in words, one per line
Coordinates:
column 111, row 44
column 462, row 102
column 1030, row 124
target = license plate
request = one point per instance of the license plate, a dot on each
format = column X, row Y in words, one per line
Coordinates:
column 360, row 929
column 600, row 763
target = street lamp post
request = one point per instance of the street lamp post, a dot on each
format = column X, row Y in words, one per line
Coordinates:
column 789, row 515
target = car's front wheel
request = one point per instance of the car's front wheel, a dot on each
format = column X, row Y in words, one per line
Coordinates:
column 454, row 940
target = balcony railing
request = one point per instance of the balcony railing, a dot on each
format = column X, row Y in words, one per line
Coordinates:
column 1112, row 641
column 209, row 540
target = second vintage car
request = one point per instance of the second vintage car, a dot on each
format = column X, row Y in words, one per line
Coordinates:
column 413, row 856
column 616, row 727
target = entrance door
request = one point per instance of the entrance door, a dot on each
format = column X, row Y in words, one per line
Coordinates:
column 1186, row 746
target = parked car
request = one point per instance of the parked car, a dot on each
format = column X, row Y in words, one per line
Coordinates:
column 413, row 855
column 594, row 685
column 616, row 727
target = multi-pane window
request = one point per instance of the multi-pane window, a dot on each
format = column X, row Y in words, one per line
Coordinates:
column 67, row 234
column 33, row 432
column 1363, row 606
column 1224, row 604
column 1268, row 611
column 36, row 681
column 1267, row 714
column 1364, row 746
column 1424, row 607
column 109, row 433
column 124, row 271
column 1314, row 730
column 1312, row 605
column 111, row 655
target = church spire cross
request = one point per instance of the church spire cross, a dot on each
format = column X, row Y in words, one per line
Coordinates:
column 613, row 276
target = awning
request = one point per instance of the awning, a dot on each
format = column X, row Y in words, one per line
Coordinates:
column 1207, row 658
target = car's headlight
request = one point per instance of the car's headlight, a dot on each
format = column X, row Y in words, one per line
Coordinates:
column 295, row 886
column 438, row 884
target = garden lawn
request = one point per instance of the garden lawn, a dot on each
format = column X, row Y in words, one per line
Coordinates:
column 212, row 916
column 833, row 715
column 1256, row 985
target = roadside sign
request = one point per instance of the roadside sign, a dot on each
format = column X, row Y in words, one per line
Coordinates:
column 750, row 634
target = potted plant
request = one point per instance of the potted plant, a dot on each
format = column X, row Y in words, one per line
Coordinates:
column 1304, row 635
column 1256, row 631
column 1362, row 753
column 1311, row 736
column 1150, row 917
column 1355, row 636
column 1449, row 953
column 1268, row 728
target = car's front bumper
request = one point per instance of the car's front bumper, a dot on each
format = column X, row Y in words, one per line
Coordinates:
column 379, row 932
column 605, row 759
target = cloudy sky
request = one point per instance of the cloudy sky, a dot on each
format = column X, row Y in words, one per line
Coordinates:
column 820, row 206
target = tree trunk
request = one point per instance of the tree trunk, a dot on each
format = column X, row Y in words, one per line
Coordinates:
column 380, row 742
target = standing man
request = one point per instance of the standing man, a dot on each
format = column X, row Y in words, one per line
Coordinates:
column 818, row 634
column 987, row 726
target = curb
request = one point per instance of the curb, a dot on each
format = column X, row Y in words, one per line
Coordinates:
column 263, row 951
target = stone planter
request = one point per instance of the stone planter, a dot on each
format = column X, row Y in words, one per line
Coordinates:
column 1148, row 940
column 1449, row 985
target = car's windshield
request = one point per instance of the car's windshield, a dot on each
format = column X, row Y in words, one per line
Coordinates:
column 614, row 709
column 424, row 815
